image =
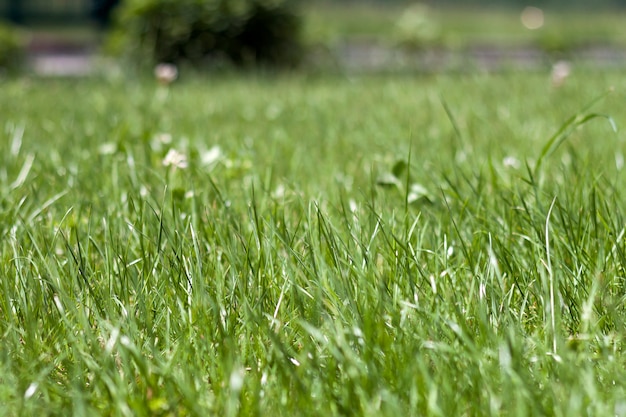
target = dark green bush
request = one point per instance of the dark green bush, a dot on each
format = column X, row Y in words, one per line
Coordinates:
column 12, row 48
column 243, row 32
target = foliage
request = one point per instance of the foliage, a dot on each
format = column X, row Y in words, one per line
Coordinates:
column 417, row 28
column 243, row 32
column 12, row 48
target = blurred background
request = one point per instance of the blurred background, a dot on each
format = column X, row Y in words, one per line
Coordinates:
column 80, row 37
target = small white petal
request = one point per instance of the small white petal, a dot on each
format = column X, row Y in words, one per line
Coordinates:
column 236, row 380
column 57, row 302
column 175, row 159
column 560, row 72
column 108, row 148
column 353, row 206
column 164, row 138
column 108, row 348
column 166, row 73
column 511, row 162
column 31, row 390
column 211, row 156
column 279, row 192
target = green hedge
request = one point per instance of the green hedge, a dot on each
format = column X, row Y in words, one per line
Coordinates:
column 198, row 32
column 12, row 48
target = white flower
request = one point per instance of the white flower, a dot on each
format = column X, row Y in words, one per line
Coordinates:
column 108, row 148
column 175, row 159
column 619, row 161
column 353, row 206
column 279, row 192
column 165, row 73
column 211, row 156
column 236, row 380
column 159, row 140
column 560, row 71
column 511, row 162
column 31, row 390
column 164, row 138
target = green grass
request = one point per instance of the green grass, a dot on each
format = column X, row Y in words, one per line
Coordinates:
column 463, row 28
column 364, row 246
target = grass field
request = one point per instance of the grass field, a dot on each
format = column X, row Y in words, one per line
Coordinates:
column 462, row 28
column 441, row 245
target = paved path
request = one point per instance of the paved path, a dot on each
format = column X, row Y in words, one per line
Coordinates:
column 66, row 55
column 79, row 58
column 63, row 65
column 372, row 57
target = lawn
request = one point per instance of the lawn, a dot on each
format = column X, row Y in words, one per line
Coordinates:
column 313, row 245
column 563, row 30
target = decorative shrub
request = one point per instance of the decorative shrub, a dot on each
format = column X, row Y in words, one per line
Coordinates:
column 12, row 48
column 416, row 28
column 243, row 32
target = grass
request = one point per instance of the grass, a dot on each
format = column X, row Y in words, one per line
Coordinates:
column 563, row 30
column 321, row 246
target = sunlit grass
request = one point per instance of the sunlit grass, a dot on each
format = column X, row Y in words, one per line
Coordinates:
column 312, row 246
